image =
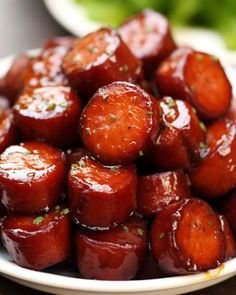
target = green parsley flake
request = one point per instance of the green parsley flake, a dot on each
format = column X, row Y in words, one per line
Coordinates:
column 77, row 58
column 202, row 126
column 199, row 57
column 51, row 107
column 56, row 218
column 63, row 104
column 171, row 114
column 151, row 113
column 65, row 211
column 161, row 236
column 113, row 168
column 125, row 68
column 82, row 164
column 214, row 58
column 91, row 49
column 141, row 231
column 202, row 145
column 57, row 208
column 170, row 102
column 38, row 220
column 194, row 110
column 74, row 166
column 113, row 118
column 141, row 153
column 125, row 228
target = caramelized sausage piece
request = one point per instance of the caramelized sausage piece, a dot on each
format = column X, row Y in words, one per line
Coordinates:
column 119, row 123
column 45, row 69
column 230, row 244
column 14, row 79
column 186, row 237
column 50, row 114
column 231, row 115
column 101, row 196
column 116, row 254
column 215, row 174
column 229, row 210
column 31, row 177
column 37, row 242
column 63, row 41
column 180, row 139
column 7, row 129
column 99, row 59
column 159, row 190
column 149, row 38
column 197, row 77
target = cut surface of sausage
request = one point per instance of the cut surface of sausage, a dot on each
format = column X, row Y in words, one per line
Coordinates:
column 101, row 196
column 230, row 244
column 119, row 123
column 31, row 177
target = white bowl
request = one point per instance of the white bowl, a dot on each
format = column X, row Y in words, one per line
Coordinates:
column 65, row 282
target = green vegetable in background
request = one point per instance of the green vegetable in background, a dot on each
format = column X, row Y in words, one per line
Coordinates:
column 216, row 14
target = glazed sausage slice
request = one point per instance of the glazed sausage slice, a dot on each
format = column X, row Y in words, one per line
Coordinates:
column 101, row 196
column 31, row 177
column 119, row 123
column 186, row 237
column 99, row 59
column 230, row 244
column 231, row 115
column 37, row 242
column 49, row 114
column 45, row 69
column 181, row 137
column 116, row 254
column 159, row 190
column 14, row 79
column 197, row 77
column 229, row 210
column 219, row 164
column 149, row 38
column 7, row 129
column 63, row 41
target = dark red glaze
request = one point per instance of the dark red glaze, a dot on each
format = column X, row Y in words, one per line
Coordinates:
column 101, row 196
column 7, row 129
column 45, row 69
column 37, row 242
column 149, row 38
column 231, row 115
column 31, row 177
column 186, row 237
column 229, row 210
column 197, row 77
column 2, row 86
column 14, row 78
column 119, row 123
column 49, row 114
column 74, row 155
column 180, row 139
column 159, row 190
column 116, row 254
column 62, row 41
column 230, row 244
column 215, row 174
column 98, row 59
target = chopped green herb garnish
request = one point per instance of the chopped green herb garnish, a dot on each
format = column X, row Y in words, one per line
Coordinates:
column 65, row 211
column 151, row 113
column 113, row 118
column 161, row 236
column 51, row 107
column 125, row 68
column 125, row 228
column 77, row 58
column 202, row 145
column 171, row 114
column 46, row 215
column 141, row 231
column 63, row 104
column 202, row 126
column 113, row 168
column 57, row 208
column 141, row 153
column 82, row 164
column 199, row 57
column 91, row 49
column 214, row 58
column 193, row 88
column 56, row 218
column 170, row 102
column 194, row 110
column 74, row 166
column 38, row 220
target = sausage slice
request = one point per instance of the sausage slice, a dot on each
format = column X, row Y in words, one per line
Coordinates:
column 98, row 59
column 197, row 77
column 62, row 41
column 119, row 123
column 149, row 38
column 7, row 129
column 49, row 114
column 37, row 242
column 116, row 254
column 31, row 177
column 230, row 244
column 187, row 237
column 101, row 196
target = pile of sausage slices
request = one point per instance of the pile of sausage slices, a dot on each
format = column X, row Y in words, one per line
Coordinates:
column 116, row 147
